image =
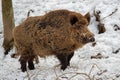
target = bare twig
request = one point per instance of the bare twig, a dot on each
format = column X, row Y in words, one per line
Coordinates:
column 93, row 77
column 98, row 56
column 91, row 69
column 116, row 27
column 28, row 76
column 76, row 73
column 72, row 76
column 28, row 14
column 117, row 76
column 116, row 51
column 79, row 73
column 100, row 73
column 55, row 70
column 110, row 14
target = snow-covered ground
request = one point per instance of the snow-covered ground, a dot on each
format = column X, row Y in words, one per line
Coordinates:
column 82, row 66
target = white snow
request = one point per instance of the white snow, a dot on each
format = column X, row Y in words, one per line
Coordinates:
column 107, row 68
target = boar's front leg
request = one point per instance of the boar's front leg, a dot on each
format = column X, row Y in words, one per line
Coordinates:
column 31, row 65
column 65, row 59
column 69, row 58
column 30, row 62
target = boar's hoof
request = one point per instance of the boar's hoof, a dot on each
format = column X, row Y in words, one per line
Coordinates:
column 63, row 67
column 31, row 65
column 23, row 68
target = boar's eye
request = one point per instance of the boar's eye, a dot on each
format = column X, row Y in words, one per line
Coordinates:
column 73, row 19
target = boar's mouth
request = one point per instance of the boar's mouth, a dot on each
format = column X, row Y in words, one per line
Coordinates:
column 88, row 40
column 84, row 38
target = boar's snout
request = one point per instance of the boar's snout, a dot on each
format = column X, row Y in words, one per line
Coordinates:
column 88, row 39
column 91, row 39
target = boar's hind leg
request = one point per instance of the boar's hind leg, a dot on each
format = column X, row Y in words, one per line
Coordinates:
column 23, row 62
column 69, row 58
column 27, row 57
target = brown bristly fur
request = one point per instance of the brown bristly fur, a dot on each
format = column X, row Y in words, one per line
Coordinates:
column 58, row 33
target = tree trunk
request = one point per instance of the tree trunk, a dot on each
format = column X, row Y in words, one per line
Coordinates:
column 8, row 24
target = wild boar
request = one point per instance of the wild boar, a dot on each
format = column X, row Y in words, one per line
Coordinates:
column 58, row 33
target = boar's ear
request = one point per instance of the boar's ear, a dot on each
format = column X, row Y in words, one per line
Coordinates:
column 87, row 16
column 73, row 19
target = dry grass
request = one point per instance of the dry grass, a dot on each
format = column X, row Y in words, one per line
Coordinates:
column 88, row 76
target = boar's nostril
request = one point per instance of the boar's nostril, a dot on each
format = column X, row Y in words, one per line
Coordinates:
column 92, row 39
